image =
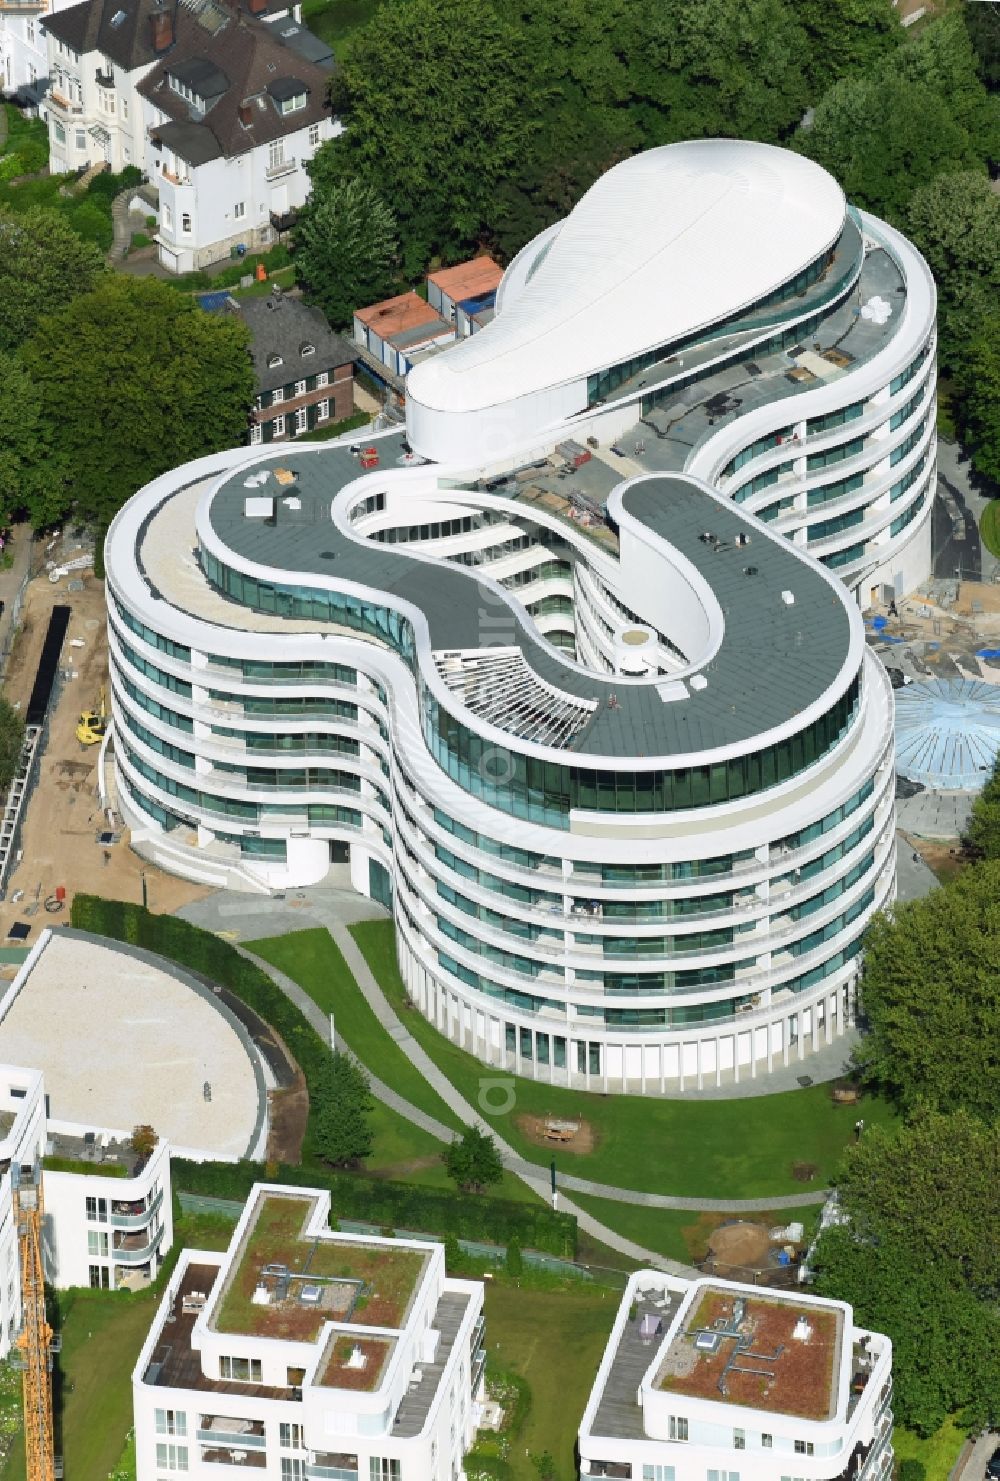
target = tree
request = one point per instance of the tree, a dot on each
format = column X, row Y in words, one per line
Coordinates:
column 955, row 221
column 983, row 25
column 20, row 440
column 345, row 244
column 43, row 265
column 513, row 1260
column 473, row 1160
column 941, row 57
column 930, row 980
column 916, row 1261
column 979, row 382
column 882, row 136
column 982, row 834
column 11, row 741
column 158, row 379
column 143, row 1141
column 436, row 135
column 847, row 35
column 341, row 1106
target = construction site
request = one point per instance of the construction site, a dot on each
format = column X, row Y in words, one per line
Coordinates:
column 65, row 840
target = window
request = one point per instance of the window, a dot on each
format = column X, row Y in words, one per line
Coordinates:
column 256, row 434
column 290, row 1436
column 240, row 1370
column 172, row 1457
column 97, row 1210
column 31, row 33
column 100, row 1279
column 383, row 1470
column 302, row 420
column 323, row 411
column 240, row 210
column 323, row 379
column 739, row 1439
column 292, row 1469
column 171, row 1422
column 657, row 1473
column 59, row 132
column 97, row 1243
column 272, row 362
column 313, row 135
column 186, row 222
column 81, row 138
column 307, row 349
column 677, row 1427
column 300, row 388
column 168, row 218
column 804, row 1447
column 278, row 427
column 275, row 153
column 293, row 105
column 124, row 107
column 766, row 1442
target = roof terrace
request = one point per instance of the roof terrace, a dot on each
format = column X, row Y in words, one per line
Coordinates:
column 286, row 1284
column 782, row 1356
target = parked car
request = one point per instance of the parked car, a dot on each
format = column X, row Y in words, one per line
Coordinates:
column 993, row 1466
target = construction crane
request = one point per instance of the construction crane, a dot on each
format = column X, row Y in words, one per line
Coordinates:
column 36, row 1341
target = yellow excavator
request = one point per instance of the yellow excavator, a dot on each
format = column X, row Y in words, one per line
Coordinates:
column 93, row 723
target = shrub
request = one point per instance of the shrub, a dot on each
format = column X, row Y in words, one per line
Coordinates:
column 92, row 223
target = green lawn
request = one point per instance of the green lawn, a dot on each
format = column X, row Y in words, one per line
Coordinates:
column 937, row 1454
column 693, row 1148
column 334, row 20
column 989, row 527
column 313, row 960
column 679, row 1233
column 554, row 1340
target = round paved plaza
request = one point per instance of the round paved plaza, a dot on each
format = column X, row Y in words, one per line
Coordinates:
column 121, row 1042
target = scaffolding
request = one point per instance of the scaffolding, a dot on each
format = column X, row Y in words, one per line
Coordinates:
column 36, row 1341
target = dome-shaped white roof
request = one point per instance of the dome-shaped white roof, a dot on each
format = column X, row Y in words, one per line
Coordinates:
column 664, row 244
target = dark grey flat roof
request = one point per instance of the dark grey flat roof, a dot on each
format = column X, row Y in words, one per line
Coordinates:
column 775, row 660
column 192, row 142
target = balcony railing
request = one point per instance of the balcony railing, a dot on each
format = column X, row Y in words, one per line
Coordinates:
column 238, row 1438
column 137, row 1254
column 281, row 167
column 138, row 1220
column 64, row 104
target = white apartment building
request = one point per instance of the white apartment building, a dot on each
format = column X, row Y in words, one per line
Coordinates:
column 713, row 1381
column 108, row 1220
column 24, row 62
column 307, row 1354
column 221, row 107
column 558, row 676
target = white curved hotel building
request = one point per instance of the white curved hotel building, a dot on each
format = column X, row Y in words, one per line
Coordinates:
column 607, row 736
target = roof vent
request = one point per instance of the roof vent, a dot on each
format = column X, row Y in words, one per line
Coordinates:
column 708, row 538
column 259, row 506
column 788, row 597
column 802, row 1330
column 751, row 570
column 698, row 681
column 743, row 538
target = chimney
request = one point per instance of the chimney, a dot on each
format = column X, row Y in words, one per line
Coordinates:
column 161, row 22
column 256, row 7
column 246, row 115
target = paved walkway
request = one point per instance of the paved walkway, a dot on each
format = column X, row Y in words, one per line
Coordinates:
column 224, row 912
column 971, row 1463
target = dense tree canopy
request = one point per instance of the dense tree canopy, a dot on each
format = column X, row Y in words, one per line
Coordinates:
column 434, row 131
column 11, row 740
column 931, row 976
column 846, row 36
column 917, row 1260
column 160, row 380
column 345, row 244
column 20, row 439
column 982, row 835
column 43, row 265
column 955, row 221
column 980, row 386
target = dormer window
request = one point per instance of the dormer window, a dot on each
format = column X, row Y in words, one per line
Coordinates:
column 307, row 349
column 273, row 361
column 288, row 94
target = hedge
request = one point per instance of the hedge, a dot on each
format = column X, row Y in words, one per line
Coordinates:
column 372, row 1200
column 354, row 1195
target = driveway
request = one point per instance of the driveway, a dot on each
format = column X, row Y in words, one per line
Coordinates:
column 961, row 498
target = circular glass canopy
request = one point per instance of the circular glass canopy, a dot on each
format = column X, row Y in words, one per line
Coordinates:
column 947, row 732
